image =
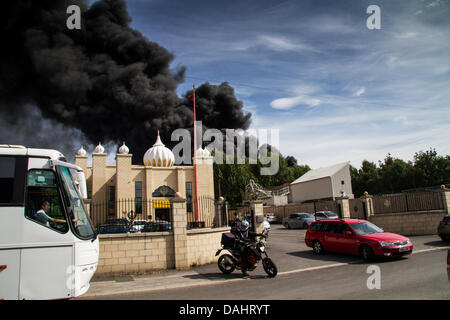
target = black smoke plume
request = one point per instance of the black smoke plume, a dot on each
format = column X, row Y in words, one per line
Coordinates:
column 105, row 82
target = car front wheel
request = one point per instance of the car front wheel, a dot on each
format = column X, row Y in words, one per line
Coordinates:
column 366, row 253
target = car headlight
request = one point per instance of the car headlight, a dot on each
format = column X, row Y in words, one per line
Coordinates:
column 386, row 244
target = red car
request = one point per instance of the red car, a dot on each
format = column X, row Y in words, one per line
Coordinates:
column 356, row 237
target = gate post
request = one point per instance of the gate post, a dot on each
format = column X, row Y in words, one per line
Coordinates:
column 220, row 215
column 258, row 215
column 345, row 207
column 179, row 220
column 368, row 204
column 446, row 198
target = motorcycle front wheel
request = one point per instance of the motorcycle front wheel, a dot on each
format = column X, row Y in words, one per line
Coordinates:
column 226, row 264
column 269, row 267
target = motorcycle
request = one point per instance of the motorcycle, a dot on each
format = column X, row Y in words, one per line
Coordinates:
column 228, row 262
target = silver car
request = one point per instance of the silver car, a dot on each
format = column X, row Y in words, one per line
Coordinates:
column 298, row 220
column 319, row 215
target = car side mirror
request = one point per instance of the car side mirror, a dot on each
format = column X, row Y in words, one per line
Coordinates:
column 349, row 233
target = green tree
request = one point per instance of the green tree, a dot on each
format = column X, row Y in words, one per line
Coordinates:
column 396, row 175
column 430, row 169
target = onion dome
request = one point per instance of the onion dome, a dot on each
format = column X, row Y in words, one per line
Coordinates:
column 99, row 148
column 81, row 152
column 203, row 153
column 124, row 149
column 159, row 155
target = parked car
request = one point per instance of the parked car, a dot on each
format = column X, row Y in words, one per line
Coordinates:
column 115, row 225
column 266, row 225
column 298, row 220
column 117, row 221
column 158, row 225
column 319, row 215
column 138, row 225
column 113, row 228
column 356, row 237
column 271, row 218
column 444, row 228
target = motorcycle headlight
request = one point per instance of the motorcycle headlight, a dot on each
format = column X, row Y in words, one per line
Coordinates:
column 262, row 248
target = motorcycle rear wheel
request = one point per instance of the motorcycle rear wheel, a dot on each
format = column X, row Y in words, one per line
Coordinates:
column 269, row 267
column 226, row 264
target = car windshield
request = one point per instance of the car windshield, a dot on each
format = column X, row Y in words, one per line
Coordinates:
column 362, row 228
column 332, row 214
column 307, row 215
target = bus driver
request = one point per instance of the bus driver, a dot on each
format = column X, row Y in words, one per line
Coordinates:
column 43, row 217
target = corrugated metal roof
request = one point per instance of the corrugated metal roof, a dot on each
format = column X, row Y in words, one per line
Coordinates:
column 321, row 172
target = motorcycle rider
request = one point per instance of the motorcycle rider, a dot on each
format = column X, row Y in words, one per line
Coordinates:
column 243, row 237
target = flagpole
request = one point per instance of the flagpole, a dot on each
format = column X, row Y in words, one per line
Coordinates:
column 195, row 160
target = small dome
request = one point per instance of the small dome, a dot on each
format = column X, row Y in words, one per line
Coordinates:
column 124, row 149
column 99, row 148
column 81, row 152
column 159, row 155
column 203, row 153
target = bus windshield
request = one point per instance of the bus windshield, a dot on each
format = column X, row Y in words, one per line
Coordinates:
column 82, row 224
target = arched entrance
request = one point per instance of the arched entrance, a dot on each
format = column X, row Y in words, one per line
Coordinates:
column 161, row 202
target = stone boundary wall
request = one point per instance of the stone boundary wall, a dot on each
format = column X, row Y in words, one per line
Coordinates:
column 202, row 245
column 141, row 253
column 410, row 223
column 135, row 253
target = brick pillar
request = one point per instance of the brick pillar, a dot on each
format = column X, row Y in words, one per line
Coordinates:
column 124, row 183
column 99, row 191
column 345, row 207
column 81, row 161
column 258, row 219
column 446, row 198
column 368, row 202
column 179, row 220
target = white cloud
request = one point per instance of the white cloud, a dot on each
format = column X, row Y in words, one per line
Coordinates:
column 434, row 4
column 278, row 43
column 360, row 92
column 288, row 103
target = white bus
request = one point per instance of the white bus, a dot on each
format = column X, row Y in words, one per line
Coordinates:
column 48, row 246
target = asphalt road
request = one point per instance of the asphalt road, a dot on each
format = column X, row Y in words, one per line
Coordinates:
column 420, row 276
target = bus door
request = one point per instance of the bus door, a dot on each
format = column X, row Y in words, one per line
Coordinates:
column 12, row 183
column 47, row 254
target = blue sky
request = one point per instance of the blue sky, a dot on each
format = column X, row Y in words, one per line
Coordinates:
column 336, row 90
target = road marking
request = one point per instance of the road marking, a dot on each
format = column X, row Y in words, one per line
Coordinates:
column 316, row 268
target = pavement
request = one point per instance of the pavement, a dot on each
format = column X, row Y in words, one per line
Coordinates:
column 286, row 248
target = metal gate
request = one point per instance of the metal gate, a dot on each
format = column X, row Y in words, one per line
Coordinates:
column 212, row 214
column 242, row 213
column 357, row 209
column 324, row 205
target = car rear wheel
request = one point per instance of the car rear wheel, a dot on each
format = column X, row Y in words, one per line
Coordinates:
column 317, row 247
column 287, row 225
column 366, row 253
